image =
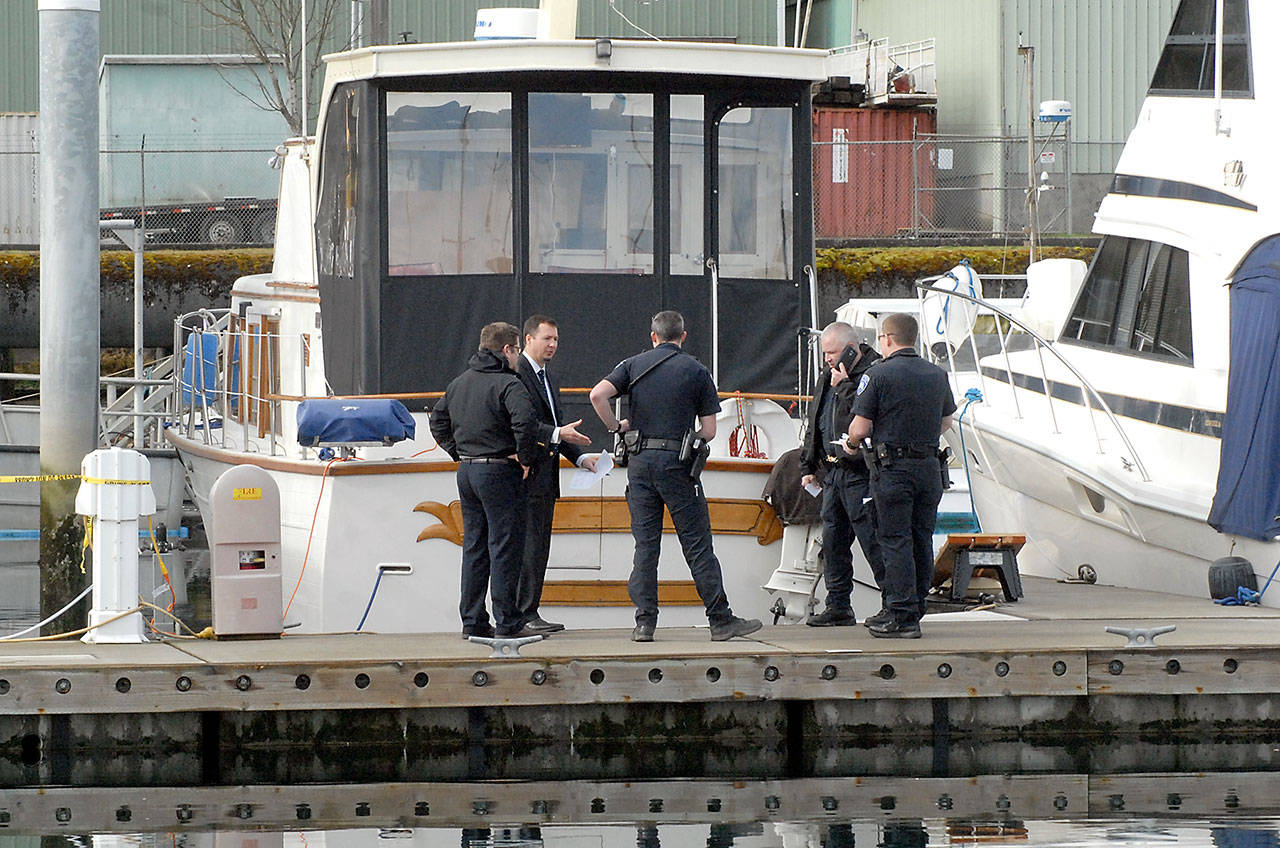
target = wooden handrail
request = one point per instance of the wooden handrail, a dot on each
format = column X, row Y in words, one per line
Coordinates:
column 570, row 391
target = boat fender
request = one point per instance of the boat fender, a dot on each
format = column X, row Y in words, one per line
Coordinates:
column 1227, row 575
column 948, row 319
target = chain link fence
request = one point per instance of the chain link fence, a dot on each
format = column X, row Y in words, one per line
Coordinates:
column 191, row 196
column 940, row 186
column 932, row 186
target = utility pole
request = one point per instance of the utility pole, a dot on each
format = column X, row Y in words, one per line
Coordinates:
column 1028, row 53
column 70, row 351
column 378, row 30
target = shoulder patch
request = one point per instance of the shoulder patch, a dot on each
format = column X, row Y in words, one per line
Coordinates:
column 862, row 384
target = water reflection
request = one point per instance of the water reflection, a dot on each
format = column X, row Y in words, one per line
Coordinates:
column 889, row 834
column 1232, row 810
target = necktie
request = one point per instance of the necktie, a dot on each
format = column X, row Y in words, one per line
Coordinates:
column 546, row 390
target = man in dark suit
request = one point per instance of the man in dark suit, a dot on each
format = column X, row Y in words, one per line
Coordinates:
column 556, row 437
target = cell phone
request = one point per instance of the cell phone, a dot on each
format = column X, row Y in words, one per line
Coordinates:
column 848, row 358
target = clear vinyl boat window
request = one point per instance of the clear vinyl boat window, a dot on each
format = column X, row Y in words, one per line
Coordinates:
column 449, row 183
column 339, row 186
column 755, row 193
column 590, row 183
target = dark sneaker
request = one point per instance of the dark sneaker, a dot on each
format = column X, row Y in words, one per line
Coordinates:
column 833, row 617
column 643, row 632
column 882, row 617
column 735, row 626
column 894, row 630
column 541, row 626
column 484, row 631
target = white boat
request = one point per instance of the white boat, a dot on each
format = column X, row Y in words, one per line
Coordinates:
column 1105, row 410
column 455, row 184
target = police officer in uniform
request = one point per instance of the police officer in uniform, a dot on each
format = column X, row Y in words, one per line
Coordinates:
column 487, row 423
column 669, row 392
column 903, row 405
column 847, row 513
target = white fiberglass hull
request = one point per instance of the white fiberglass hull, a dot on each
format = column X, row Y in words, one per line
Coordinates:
column 1078, row 507
column 403, row 512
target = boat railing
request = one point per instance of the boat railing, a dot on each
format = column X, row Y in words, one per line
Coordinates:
column 229, row 379
column 1005, row 325
column 132, row 410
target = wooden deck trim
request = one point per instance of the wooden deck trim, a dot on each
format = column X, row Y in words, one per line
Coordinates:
column 613, row 593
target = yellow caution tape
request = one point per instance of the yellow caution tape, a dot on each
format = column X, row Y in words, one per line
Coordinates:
column 37, row 478
column 86, row 544
column 40, row 478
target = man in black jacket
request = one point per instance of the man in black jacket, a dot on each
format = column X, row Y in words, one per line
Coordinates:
column 486, row 421
column 556, row 437
column 847, row 513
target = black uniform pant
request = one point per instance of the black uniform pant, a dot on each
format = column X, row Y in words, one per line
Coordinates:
column 657, row 478
column 539, row 512
column 847, row 515
column 906, row 495
column 493, row 504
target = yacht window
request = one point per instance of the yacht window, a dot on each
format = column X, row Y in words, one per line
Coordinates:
column 335, row 222
column 590, row 183
column 1136, row 299
column 687, row 165
column 755, row 193
column 1186, row 63
column 449, row 194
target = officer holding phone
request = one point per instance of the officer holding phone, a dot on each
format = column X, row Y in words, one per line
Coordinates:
column 847, row 513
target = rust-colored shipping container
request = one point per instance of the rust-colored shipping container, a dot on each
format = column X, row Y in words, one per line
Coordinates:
column 864, row 182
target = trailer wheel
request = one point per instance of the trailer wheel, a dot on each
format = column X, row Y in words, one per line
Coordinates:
column 264, row 229
column 222, row 228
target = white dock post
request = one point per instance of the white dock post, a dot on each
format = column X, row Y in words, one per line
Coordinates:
column 112, row 496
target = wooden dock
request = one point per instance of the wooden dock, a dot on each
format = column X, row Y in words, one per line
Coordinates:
column 1044, row 667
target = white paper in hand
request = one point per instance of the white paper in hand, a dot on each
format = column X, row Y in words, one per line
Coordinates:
column 585, row 478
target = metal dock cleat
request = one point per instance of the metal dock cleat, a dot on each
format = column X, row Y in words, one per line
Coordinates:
column 1140, row 637
column 505, row 647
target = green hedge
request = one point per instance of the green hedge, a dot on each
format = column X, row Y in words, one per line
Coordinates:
column 213, row 271
column 855, row 267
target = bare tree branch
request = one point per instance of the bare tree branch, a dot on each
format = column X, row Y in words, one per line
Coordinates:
column 271, row 31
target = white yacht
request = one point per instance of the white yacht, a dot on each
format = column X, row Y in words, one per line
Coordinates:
column 1130, row 423
column 450, row 185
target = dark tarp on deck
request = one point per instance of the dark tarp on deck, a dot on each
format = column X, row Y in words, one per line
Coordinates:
column 1247, row 501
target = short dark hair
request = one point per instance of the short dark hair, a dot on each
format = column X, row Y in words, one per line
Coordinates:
column 667, row 325
column 498, row 335
column 902, row 327
column 533, row 322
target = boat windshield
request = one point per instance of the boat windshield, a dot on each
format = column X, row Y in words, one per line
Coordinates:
column 591, row 172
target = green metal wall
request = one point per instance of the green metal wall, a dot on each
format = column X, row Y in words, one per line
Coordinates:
column 183, row 27
column 1098, row 54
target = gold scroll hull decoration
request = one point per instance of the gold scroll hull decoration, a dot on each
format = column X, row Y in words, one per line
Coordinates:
column 729, row 517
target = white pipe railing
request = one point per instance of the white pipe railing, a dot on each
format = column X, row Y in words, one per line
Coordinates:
column 1092, row 399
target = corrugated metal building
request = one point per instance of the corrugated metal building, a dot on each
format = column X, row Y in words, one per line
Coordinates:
column 1098, row 54
column 183, row 27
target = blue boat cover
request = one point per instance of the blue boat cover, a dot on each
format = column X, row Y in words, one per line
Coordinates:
column 337, row 421
column 1247, row 501
column 200, row 368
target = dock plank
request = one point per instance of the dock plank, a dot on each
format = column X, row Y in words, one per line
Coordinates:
column 1052, row 643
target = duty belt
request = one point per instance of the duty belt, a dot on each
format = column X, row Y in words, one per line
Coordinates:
column 909, row 451
column 660, row 444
